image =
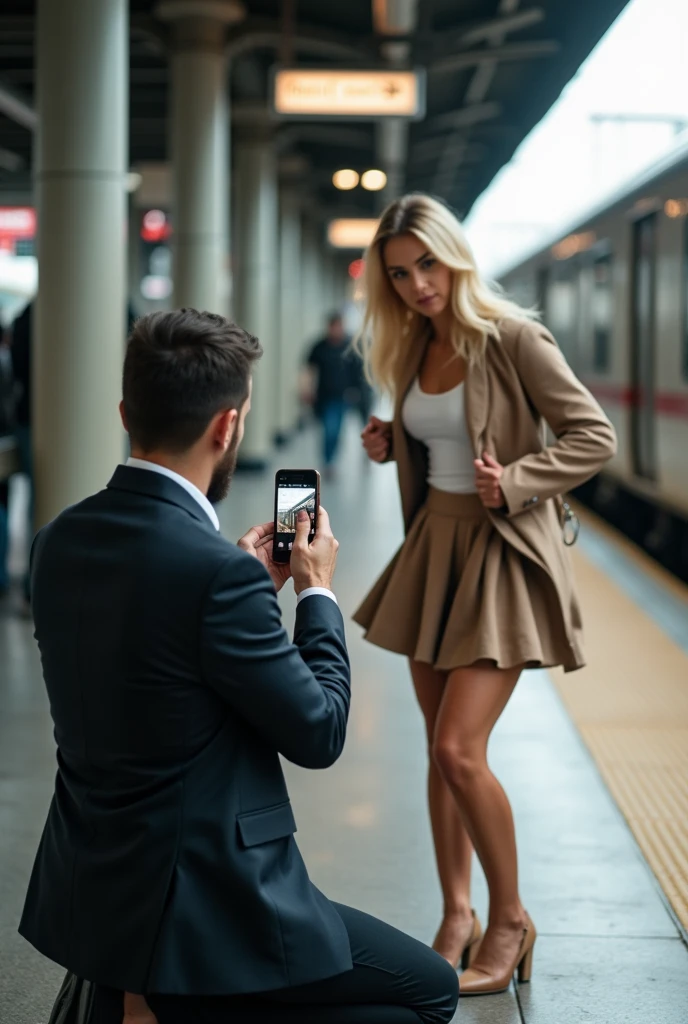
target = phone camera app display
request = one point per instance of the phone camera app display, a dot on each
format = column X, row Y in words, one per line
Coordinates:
column 291, row 498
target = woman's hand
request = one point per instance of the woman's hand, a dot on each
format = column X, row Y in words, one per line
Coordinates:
column 488, row 473
column 258, row 542
column 377, row 439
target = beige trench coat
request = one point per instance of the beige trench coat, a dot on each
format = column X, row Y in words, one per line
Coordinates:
column 522, row 384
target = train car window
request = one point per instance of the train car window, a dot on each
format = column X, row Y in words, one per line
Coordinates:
column 602, row 308
column 643, row 347
column 563, row 310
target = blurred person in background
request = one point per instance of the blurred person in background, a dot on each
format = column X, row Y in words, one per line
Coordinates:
column 360, row 396
column 7, row 404
column 482, row 586
column 20, row 350
column 330, row 364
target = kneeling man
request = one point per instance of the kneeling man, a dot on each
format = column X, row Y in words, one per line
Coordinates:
column 168, row 869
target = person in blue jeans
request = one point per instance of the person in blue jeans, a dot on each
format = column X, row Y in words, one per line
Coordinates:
column 330, row 360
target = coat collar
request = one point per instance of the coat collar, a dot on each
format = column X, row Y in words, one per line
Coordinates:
column 476, row 402
column 162, row 488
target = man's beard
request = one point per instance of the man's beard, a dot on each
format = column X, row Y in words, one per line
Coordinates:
column 221, row 479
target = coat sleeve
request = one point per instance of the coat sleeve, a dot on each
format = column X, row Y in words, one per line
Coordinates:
column 296, row 695
column 585, row 438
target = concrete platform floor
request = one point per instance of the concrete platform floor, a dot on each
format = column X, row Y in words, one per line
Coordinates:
column 608, row 950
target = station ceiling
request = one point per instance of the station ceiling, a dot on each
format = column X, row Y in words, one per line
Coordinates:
column 494, row 68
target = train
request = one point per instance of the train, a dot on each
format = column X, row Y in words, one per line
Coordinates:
column 613, row 290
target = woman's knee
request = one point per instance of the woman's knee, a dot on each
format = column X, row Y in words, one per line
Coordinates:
column 459, row 765
column 442, row 988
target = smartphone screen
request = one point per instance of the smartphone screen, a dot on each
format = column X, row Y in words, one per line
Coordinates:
column 295, row 489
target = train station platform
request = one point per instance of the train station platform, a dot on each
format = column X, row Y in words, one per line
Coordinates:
column 591, row 763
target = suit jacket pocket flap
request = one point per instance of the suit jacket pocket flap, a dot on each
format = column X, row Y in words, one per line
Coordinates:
column 269, row 823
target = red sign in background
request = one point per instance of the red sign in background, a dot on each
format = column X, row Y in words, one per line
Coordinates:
column 17, row 224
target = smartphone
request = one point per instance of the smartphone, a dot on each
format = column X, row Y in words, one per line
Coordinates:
column 294, row 489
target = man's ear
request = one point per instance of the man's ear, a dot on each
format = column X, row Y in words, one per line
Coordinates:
column 123, row 416
column 224, row 428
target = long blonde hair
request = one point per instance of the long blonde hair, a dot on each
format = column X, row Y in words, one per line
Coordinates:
column 389, row 328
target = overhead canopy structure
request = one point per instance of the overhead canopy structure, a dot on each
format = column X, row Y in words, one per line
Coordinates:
column 492, row 70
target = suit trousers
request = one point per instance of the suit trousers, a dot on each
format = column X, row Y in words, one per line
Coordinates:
column 395, row 980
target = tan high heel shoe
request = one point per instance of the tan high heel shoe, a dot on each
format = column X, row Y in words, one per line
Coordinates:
column 472, row 946
column 467, row 954
column 475, row 982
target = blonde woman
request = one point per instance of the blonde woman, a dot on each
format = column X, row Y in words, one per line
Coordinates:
column 481, row 587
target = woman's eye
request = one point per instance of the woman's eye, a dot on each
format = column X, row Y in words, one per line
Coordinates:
column 428, row 263
column 398, row 274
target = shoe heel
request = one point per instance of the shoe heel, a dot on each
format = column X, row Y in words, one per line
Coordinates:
column 525, row 967
column 469, row 953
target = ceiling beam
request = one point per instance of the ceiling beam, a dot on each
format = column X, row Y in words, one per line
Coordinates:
column 501, row 25
column 17, row 107
column 266, row 33
column 463, row 116
column 496, row 54
column 328, row 135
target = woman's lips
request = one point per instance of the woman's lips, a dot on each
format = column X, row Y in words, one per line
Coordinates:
column 427, row 300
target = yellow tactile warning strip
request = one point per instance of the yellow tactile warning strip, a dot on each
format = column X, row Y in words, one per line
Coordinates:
column 630, row 705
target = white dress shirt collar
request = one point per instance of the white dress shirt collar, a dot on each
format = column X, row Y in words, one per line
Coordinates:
column 190, row 488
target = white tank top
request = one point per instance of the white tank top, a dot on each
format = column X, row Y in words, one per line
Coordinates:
column 439, row 422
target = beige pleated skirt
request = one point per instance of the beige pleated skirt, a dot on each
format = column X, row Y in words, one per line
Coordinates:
column 457, row 593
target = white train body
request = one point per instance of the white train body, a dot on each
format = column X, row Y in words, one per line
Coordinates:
column 614, row 292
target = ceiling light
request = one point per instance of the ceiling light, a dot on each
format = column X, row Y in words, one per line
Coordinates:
column 345, row 179
column 374, row 180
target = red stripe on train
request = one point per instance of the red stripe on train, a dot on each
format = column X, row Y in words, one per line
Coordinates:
column 666, row 403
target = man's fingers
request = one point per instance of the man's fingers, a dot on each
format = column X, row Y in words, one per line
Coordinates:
column 257, row 533
column 324, row 527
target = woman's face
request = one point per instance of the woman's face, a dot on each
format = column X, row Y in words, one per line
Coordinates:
column 417, row 276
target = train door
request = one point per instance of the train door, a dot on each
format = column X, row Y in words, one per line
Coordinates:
column 643, row 347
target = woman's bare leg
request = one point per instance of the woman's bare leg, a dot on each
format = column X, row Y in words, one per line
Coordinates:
column 473, row 700
column 453, row 849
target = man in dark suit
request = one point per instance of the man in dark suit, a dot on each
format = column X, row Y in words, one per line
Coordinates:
column 168, row 865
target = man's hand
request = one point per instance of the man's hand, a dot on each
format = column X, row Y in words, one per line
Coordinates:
column 377, row 439
column 488, row 473
column 258, row 542
column 313, row 565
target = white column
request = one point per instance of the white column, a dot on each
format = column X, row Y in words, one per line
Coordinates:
column 290, row 318
column 256, row 297
column 200, row 150
column 82, row 101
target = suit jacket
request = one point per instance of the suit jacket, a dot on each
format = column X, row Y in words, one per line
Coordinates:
column 522, row 385
column 168, row 861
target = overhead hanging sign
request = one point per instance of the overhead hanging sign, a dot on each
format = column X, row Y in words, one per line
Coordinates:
column 352, row 233
column 325, row 93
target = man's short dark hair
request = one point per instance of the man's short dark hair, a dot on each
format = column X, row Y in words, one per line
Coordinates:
column 334, row 318
column 182, row 368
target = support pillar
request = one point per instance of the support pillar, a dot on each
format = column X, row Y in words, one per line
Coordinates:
column 82, row 103
column 314, row 309
column 291, row 338
column 200, row 149
column 256, row 297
